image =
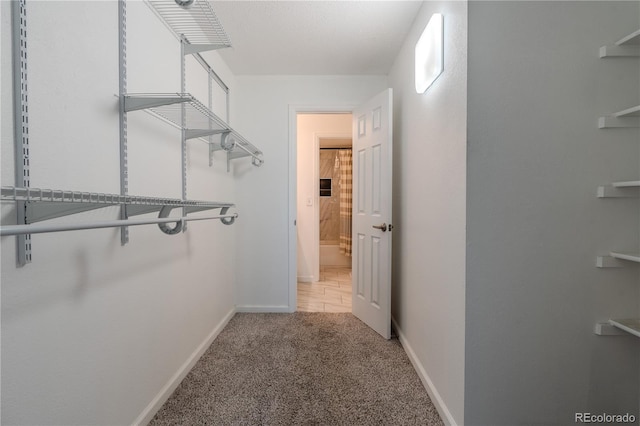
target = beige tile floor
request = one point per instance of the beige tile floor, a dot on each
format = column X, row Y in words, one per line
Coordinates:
column 331, row 294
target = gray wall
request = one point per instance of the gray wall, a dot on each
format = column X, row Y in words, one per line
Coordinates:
column 534, row 225
column 429, row 195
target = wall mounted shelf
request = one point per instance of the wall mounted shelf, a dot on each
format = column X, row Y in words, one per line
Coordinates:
column 45, row 204
column 632, row 39
column 618, row 327
column 629, row 117
column 197, row 23
column 608, row 262
column 627, row 189
column 627, row 46
column 627, row 184
column 631, row 257
column 200, row 121
column 606, row 329
column 616, row 259
column 630, row 325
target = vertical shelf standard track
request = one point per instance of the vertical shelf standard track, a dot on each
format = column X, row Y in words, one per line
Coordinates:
column 122, row 90
column 183, row 119
column 21, row 125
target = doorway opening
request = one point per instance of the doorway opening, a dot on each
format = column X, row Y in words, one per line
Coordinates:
column 324, row 188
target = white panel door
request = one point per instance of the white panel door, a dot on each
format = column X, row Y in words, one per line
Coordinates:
column 372, row 159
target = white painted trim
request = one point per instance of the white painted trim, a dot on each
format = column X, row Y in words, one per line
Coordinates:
column 293, row 187
column 306, row 279
column 278, row 309
column 165, row 392
column 293, row 209
column 437, row 400
column 316, row 207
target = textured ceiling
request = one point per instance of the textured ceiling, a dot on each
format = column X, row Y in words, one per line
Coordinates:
column 314, row 37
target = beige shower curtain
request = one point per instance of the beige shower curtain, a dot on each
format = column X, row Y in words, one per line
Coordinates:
column 346, row 164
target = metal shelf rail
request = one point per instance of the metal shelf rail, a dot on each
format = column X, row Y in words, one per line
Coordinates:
column 44, row 204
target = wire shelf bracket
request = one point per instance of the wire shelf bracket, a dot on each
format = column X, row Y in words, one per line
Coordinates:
column 200, row 122
column 122, row 89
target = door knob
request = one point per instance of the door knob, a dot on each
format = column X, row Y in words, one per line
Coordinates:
column 382, row 227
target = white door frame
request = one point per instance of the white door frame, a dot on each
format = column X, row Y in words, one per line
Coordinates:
column 316, row 176
column 294, row 110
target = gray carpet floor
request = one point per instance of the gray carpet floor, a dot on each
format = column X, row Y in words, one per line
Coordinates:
column 300, row 369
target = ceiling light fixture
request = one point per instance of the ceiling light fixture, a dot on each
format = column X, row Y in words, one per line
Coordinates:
column 429, row 54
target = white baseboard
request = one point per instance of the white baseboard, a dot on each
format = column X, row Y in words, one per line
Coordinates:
column 305, row 279
column 437, row 400
column 263, row 308
column 147, row 414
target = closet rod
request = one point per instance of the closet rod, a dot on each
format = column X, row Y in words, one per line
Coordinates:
column 252, row 154
column 42, row 228
column 338, row 147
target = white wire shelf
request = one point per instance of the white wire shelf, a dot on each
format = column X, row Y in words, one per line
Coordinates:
column 44, row 204
column 197, row 23
column 628, row 46
column 201, row 122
